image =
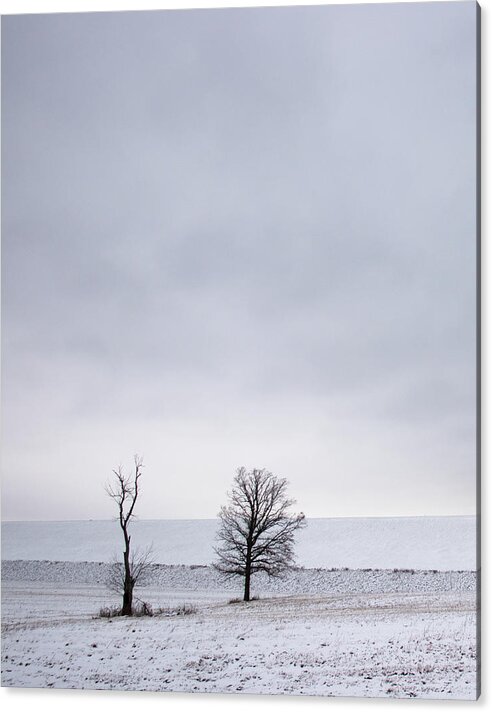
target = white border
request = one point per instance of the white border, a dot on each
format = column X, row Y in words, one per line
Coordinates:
column 78, row 700
column 27, row 6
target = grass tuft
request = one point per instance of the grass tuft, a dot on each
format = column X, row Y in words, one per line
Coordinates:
column 185, row 609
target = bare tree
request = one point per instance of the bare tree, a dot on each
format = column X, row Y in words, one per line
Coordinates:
column 123, row 578
column 141, row 562
column 256, row 529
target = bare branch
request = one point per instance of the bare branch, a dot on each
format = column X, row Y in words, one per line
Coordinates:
column 141, row 563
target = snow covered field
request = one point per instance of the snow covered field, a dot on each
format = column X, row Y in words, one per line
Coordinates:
column 353, row 633
column 204, row 579
column 377, row 607
column 443, row 543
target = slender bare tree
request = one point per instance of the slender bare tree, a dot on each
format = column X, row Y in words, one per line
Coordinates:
column 256, row 530
column 124, row 492
column 141, row 562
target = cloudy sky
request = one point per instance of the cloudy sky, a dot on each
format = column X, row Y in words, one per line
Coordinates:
column 240, row 237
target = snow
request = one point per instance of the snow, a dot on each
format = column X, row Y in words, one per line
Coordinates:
column 349, row 633
column 382, row 542
column 355, row 644
column 377, row 607
column 206, row 579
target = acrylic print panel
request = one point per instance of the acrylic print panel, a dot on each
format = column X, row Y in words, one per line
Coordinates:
column 240, row 350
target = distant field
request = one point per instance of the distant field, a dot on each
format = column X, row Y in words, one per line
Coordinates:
column 445, row 543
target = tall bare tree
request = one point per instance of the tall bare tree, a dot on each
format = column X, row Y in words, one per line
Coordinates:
column 124, row 492
column 256, row 530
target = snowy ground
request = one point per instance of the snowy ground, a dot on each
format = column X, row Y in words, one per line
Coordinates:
column 357, row 633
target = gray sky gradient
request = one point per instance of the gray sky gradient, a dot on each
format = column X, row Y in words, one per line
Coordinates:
column 240, row 237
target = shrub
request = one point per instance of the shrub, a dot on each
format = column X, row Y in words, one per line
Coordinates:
column 185, row 609
column 143, row 609
column 109, row 611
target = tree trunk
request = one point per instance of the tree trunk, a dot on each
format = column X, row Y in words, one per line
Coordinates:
column 127, row 607
column 247, row 575
column 246, row 585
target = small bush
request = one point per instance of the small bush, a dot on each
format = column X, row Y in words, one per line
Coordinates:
column 143, row 609
column 109, row 611
column 186, row 609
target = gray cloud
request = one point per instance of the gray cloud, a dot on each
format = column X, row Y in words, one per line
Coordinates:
column 241, row 236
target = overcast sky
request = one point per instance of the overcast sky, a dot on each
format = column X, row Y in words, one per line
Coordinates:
column 240, row 237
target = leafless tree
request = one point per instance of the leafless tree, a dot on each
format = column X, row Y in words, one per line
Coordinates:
column 141, row 562
column 124, row 492
column 256, row 529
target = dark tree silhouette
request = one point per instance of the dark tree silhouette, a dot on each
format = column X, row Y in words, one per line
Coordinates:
column 124, row 491
column 141, row 562
column 256, row 529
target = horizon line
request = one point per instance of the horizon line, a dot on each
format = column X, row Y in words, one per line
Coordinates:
column 209, row 519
